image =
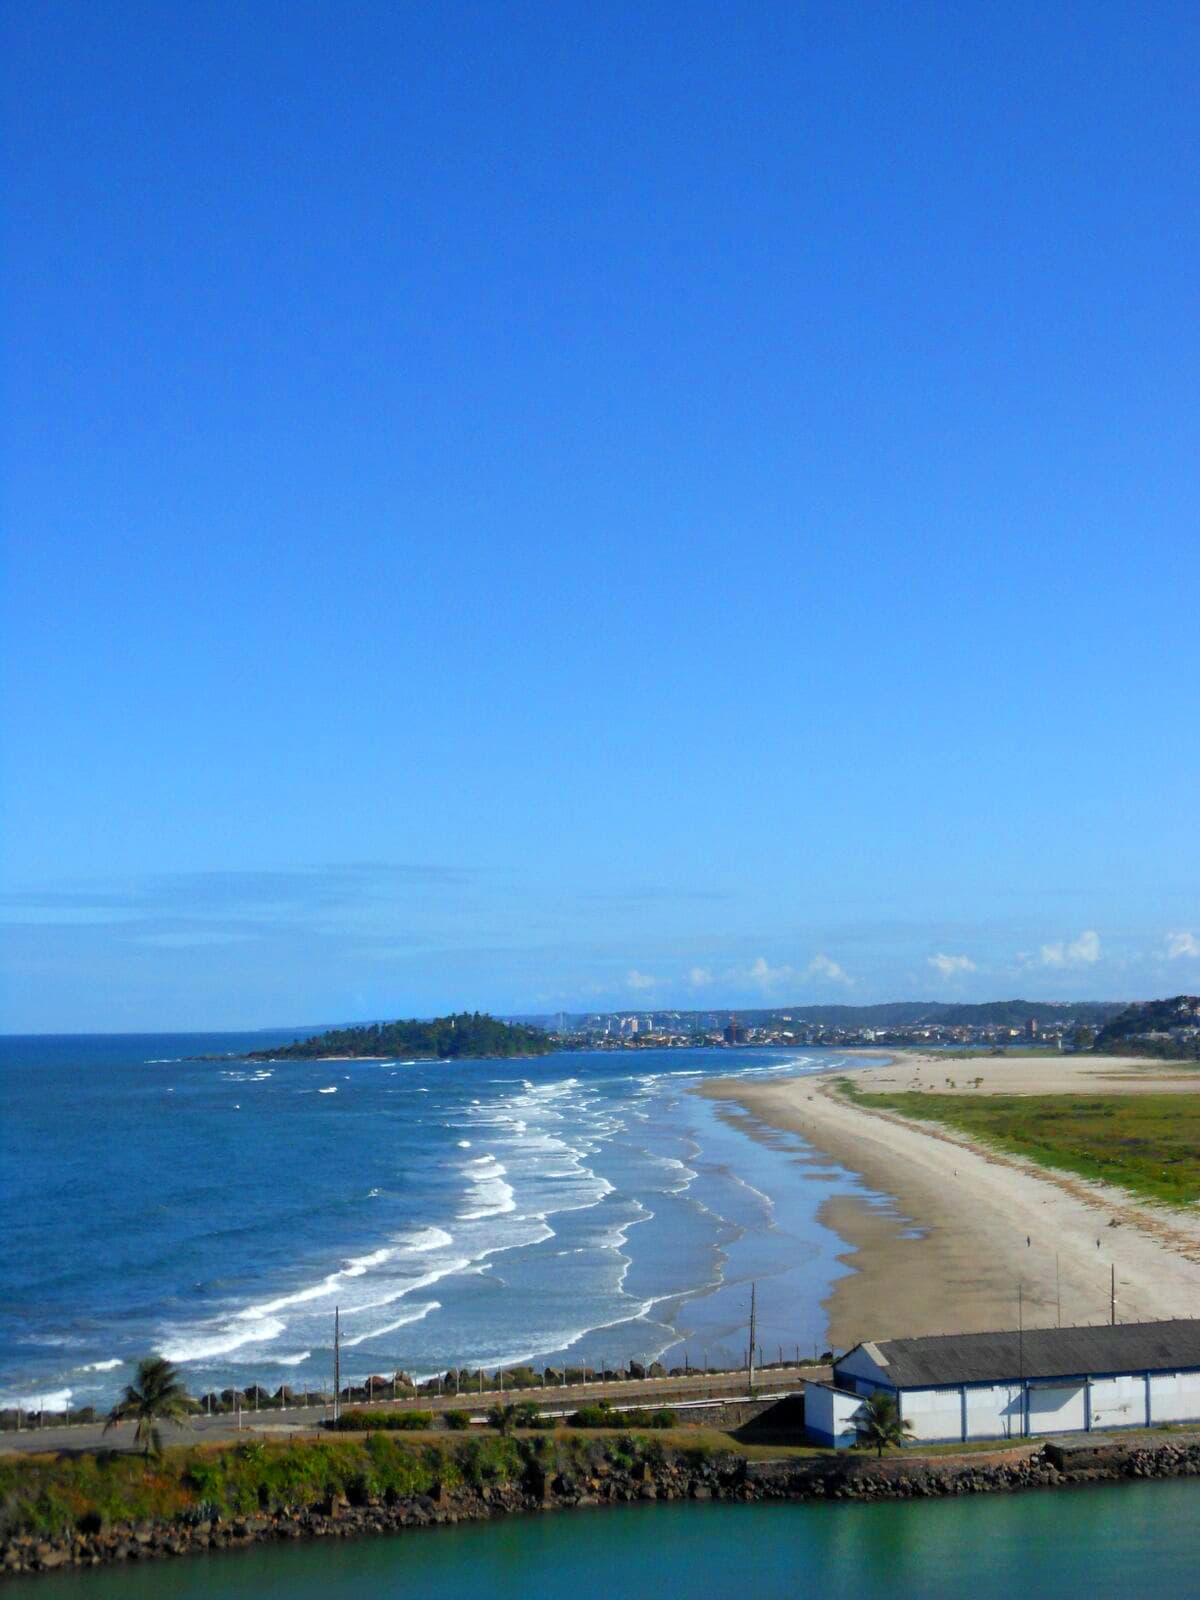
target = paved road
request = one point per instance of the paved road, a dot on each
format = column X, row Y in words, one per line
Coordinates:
column 300, row 1419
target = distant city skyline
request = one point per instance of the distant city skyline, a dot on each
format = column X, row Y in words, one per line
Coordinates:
column 570, row 506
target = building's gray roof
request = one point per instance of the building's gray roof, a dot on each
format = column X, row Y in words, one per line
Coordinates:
column 1040, row 1353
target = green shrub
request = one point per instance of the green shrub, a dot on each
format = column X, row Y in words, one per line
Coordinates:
column 458, row 1421
column 382, row 1421
column 482, row 1461
column 603, row 1415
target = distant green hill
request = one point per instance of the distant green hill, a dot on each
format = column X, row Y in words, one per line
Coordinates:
column 468, row 1033
column 1167, row 1028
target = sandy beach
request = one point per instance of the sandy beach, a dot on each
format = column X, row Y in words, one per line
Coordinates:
column 962, row 1227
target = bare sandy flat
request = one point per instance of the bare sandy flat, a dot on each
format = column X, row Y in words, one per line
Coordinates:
column 915, row 1069
column 962, row 1232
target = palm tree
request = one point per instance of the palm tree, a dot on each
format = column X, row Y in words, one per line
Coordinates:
column 879, row 1422
column 157, row 1394
column 505, row 1418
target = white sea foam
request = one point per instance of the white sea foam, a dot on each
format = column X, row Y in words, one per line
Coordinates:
column 416, row 1314
column 333, row 1090
column 291, row 1361
column 432, row 1238
column 357, row 1265
column 241, row 1330
column 464, row 1144
column 490, row 1195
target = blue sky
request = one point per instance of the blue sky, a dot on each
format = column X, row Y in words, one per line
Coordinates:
column 552, row 505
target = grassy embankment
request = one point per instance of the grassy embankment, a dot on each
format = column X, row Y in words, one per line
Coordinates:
column 1148, row 1144
column 58, row 1494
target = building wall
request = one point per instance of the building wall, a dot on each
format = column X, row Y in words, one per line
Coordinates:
column 933, row 1413
column 858, row 1364
column 1175, row 1396
column 1119, row 1402
column 1057, row 1408
column 1017, row 1409
column 994, row 1411
column 829, row 1414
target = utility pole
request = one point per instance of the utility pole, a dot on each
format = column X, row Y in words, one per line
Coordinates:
column 1021, row 1347
column 1112, row 1298
column 1057, row 1291
column 753, row 1331
column 337, row 1363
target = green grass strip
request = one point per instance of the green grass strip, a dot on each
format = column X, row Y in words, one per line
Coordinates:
column 1148, row 1144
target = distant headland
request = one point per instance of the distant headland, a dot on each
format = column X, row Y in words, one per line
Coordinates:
column 465, row 1034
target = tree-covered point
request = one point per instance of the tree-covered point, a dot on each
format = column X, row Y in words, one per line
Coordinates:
column 1166, row 1028
column 467, row 1033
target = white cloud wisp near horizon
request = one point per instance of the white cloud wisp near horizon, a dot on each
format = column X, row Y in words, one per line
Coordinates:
column 949, row 966
column 1081, row 952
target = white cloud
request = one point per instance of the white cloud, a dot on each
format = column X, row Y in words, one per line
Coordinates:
column 823, row 966
column 641, row 980
column 700, row 977
column 1182, row 944
column 765, row 976
column 1081, row 952
column 949, row 966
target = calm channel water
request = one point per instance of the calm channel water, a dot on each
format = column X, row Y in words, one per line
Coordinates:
column 1088, row 1544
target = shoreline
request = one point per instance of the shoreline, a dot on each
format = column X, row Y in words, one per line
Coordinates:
column 949, row 1236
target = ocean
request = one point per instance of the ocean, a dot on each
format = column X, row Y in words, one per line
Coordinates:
column 581, row 1208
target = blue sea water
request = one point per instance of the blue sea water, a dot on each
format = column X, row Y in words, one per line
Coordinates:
column 581, row 1207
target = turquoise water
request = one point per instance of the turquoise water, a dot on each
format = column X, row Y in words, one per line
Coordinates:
column 1088, row 1544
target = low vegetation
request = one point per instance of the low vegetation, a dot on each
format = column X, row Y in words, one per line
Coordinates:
column 1148, row 1144
column 382, row 1422
column 603, row 1415
column 55, row 1495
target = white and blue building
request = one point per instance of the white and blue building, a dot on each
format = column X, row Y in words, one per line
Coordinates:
column 1016, row 1385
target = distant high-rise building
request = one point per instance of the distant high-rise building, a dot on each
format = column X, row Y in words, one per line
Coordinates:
column 1031, row 1028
